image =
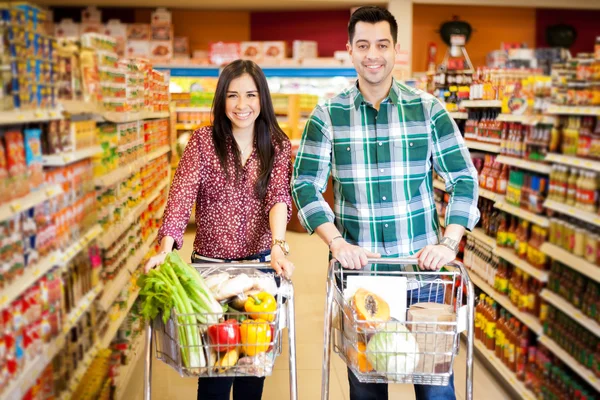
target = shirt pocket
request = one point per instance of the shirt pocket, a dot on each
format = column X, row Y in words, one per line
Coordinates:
column 411, row 156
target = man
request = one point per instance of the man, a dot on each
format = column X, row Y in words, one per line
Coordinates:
column 379, row 140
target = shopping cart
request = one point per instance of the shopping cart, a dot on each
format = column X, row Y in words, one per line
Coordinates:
column 410, row 350
column 260, row 353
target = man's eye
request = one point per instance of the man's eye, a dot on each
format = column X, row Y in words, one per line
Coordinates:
column 383, row 46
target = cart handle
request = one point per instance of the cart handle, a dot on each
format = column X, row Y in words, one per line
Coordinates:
column 216, row 266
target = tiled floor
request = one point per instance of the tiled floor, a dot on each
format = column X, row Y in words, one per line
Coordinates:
column 310, row 257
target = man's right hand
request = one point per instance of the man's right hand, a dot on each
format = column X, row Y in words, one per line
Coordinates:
column 350, row 256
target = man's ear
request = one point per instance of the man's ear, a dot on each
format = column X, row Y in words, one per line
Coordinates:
column 349, row 48
column 397, row 46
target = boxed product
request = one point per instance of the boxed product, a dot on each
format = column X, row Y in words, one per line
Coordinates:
column 91, row 14
column 161, row 32
column 117, row 30
column 273, row 51
column 91, row 27
column 221, row 53
column 252, row 51
column 67, row 29
column 138, row 48
column 138, row 32
column 431, row 336
column 181, row 46
column 302, row 49
column 161, row 50
column 161, row 17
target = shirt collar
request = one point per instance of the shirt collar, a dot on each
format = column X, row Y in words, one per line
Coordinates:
column 392, row 96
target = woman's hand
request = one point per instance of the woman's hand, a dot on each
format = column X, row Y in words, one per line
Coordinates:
column 280, row 263
column 155, row 261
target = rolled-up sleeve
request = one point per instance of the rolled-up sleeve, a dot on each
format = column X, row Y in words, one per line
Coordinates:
column 311, row 172
column 452, row 161
column 278, row 190
column 183, row 192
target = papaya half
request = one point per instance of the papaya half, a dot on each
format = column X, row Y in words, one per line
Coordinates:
column 370, row 308
column 359, row 358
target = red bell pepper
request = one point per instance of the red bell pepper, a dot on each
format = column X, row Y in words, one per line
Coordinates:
column 224, row 336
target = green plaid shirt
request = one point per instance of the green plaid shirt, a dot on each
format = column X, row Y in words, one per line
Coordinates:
column 381, row 164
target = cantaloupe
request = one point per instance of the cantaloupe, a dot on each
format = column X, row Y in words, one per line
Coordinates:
column 370, row 308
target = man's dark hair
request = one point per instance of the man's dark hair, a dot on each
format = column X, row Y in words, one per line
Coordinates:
column 372, row 15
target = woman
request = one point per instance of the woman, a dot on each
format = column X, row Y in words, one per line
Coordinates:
column 238, row 172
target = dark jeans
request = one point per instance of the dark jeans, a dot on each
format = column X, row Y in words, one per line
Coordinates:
column 379, row 391
column 244, row 388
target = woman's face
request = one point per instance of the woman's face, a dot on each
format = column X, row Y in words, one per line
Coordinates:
column 243, row 104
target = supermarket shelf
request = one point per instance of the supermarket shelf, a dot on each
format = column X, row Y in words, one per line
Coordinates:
column 523, row 265
column 81, row 244
column 126, row 371
column 488, row 194
column 590, row 218
column 189, row 127
column 119, row 174
column 489, row 147
column 193, row 109
column 116, row 286
column 114, row 232
column 14, row 207
column 577, row 263
column 573, row 161
column 31, row 275
column 573, row 110
column 83, row 305
column 459, row 115
column 585, row 373
column 531, row 321
column 80, row 372
column 76, row 107
column 439, row 184
column 28, row 377
column 157, row 153
column 125, row 117
column 481, row 103
column 571, row 311
column 114, row 326
column 17, row 117
column 159, row 189
column 60, row 160
column 529, row 216
column 517, row 386
column 160, row 212
column 525, row 164
column 527, row 119
column 480, row 235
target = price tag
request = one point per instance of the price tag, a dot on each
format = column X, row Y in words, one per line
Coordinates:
column 37, row 272
column 21, row 117
column 16, row 207
column 52, row 114
column 67, row 158
column 38, row 114
column 3, row 301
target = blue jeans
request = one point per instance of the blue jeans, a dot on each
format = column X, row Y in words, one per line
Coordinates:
column 244, row 388
column 379, row 391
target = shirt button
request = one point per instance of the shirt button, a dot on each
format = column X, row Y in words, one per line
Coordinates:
column 386, row 225
column 411, row 144
column 381, row 143
column 348, row 148
column 388, row 251
column 381, row 170
column 384, row 198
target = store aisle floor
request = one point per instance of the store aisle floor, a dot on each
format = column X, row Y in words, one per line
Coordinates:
column 309, row 255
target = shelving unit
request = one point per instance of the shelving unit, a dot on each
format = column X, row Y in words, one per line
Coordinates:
column 126, row 371
column 80, row 244
column 80, row 372
column 489, row 147
column 11, row 209
column 488, row 194
column 572, row 311
column 531, row 321
column 577, row 263
column 573, row 110
column 583, row 372
column 524, row 214
column 573, row 161
column 161, row 151
column 525, row 164
column 121, row 118
column 119, row 174
column 60, row 160
column 588, row 217
column 509, row 377
column 459, row 115
column 17, row 117
column 480, row 235
column 114, row 326
column 481, row 103
column 523, row 265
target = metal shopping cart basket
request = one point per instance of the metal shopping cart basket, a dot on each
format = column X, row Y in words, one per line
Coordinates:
column 254, row 357
column 416, row 346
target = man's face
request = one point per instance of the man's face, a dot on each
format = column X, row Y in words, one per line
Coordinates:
column 373, row 51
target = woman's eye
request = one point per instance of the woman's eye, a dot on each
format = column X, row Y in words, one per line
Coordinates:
column 231, row 96
column 251, row 95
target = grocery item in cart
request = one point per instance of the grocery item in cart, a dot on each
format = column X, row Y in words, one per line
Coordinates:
column 393, row 350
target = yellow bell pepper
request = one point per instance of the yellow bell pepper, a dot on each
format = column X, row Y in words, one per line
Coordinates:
column 256, row 336
column 260, row 304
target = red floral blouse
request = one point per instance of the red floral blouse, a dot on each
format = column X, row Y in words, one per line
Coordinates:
column 232, row 222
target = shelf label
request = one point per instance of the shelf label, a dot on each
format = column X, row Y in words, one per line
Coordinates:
column 16, row 207
column 38, row 114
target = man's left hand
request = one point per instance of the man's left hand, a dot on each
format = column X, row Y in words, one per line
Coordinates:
column 434, row 257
